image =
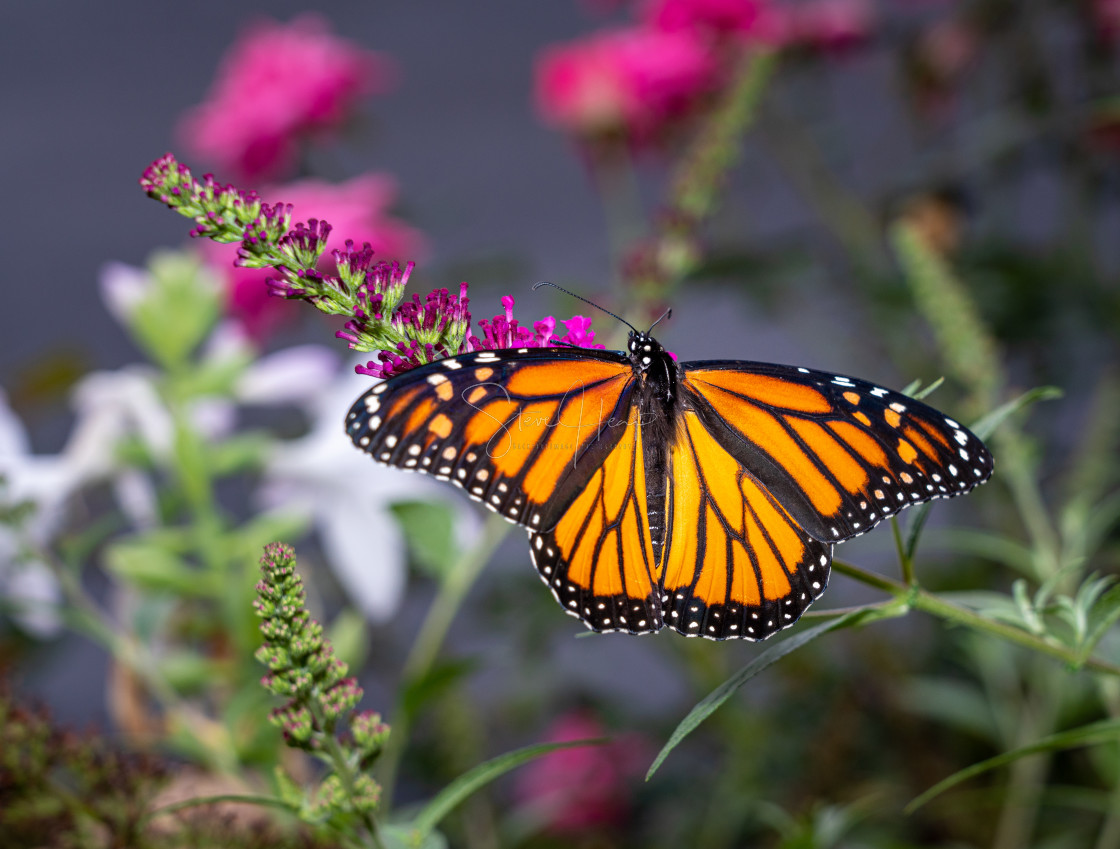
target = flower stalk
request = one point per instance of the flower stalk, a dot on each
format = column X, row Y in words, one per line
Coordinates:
column 320, row 697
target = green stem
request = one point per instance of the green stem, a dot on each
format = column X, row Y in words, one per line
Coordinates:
column 927, row 602
column 1109, row 837
column 456, row 583
column 346, row 772
column 1037, row 715
column 905, row 561
column 696, row 186
column 238, row 798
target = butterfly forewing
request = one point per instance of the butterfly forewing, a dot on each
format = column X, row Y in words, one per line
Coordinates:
column 520, row 431
column 839, row 454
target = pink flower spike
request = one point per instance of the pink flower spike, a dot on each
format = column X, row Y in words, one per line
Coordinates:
column 357, row 211
column 277, row 85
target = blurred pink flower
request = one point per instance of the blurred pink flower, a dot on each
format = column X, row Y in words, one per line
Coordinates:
column 628, row 81
column 828, row 24
column 947, row 48
column 356, row 209
column 585, row 787
column 714, row 16
column 1106, row 16
column 276, row 85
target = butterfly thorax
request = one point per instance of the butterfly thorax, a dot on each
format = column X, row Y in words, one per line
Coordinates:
column 657, row 402
column 653, row 364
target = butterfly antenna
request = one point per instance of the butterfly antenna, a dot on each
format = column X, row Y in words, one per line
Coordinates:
column 668, row 314
column 581, row 298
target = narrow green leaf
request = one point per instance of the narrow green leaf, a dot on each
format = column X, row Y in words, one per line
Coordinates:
column 177, row 310
column 929, row 390
column 264, row 528
column 349, row 634
column 956, row 703
column 187, row 671
column 153, row 568
column 241, row 452
column 397, row 836
column 914, row 532
column 467, row 783
column 710, row 703
column 987, row 425
column 1095, row 732
column 990, row 546
column 1103, row 616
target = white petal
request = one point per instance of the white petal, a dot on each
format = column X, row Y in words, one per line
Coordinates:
column 122, row 288
column 110, row 405
column 213, row 418
column 33, row 587
column 228, row 341
column 13, row 435
column 294, row 375
column 366, row 552
column 137, row 498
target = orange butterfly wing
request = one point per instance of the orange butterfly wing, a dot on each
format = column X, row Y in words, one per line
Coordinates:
column 519, row 430
column 714, row 513
column 838, row 453
column 735, row 563
column 598, row 557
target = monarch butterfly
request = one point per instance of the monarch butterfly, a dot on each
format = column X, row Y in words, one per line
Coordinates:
column 705, row 496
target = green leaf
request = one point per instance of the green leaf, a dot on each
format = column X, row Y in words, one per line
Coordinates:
column 177, row 311
column 187, row 671
column 914, row 531
column 438, row 681
column 992, row 547
column 242, row 452
column 151, row 567
column 469, row 782
column 956, row 703
column 987, row 425
column 1096, row 732
column 914, row 390
column 349, row 634
column 265, row 528
column 397, row 836
column 707, row 706
column 1103, row 616
column 429, row 528
column 929, row 390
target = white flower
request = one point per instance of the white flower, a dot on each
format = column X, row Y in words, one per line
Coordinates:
column 47, row 482
column 324, row 476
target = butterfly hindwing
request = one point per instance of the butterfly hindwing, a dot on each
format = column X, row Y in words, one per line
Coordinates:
column 597, row 557
column 839, row 454
column 519, row 430
column 735, row 563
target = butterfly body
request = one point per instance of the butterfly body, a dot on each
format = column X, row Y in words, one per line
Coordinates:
column 704, row 496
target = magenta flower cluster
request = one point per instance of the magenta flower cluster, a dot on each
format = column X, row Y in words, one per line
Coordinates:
column 637, row 81
column 280, row 84
column 368, row 292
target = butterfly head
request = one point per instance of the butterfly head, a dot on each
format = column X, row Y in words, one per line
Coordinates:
column 644, row 349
